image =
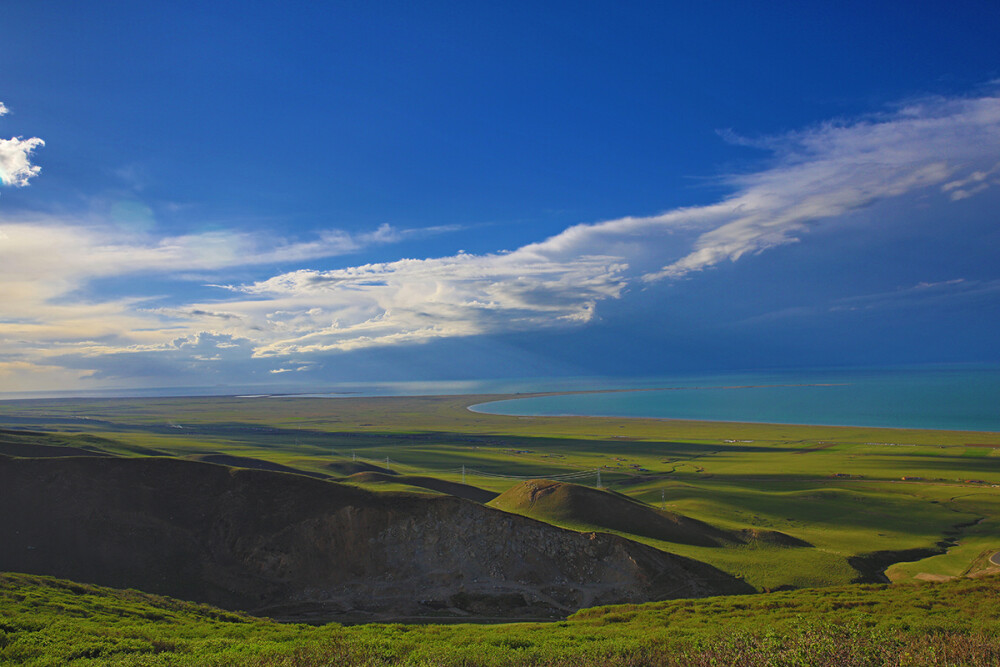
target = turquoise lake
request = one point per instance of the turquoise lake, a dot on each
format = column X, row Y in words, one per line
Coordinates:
column 951, row 398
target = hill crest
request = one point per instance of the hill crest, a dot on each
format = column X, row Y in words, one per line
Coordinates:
column 562, row 502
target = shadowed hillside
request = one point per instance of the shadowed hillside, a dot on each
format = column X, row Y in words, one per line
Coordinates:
column 44, row 445
column 37, row 444
column 562, row 502
column 289, row 545
column 769, row 538
column 255, row 464
column 467, row 491
column 347, row 468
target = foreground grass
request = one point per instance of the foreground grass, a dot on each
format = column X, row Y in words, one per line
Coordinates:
column 45, row 621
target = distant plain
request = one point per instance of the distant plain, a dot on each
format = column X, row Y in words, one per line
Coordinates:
column 857, row 495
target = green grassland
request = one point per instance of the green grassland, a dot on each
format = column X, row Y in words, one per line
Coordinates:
column 781, row 506
column 846, row 491
column 46, row 621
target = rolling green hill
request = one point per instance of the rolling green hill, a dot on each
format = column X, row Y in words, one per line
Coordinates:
column 772, row 506
column 863, row 498
column 577, row 506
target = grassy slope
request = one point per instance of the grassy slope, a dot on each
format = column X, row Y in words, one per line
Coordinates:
column 584, row 508
column 45, row 621
column 774, row 477
column 382, row 481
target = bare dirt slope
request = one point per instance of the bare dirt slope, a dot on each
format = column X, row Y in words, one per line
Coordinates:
column 284, row 544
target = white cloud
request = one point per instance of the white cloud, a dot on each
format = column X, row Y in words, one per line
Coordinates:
column 298, row 369
column 828, row 171
column 937, row 147
column 15, row 158
column 55, row 256
column 44, row 265
column 414, row 300
column 816, row 174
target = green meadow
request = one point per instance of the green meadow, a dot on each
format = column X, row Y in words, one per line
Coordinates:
column 848, row 492
column 796, row 509
column 50, row 622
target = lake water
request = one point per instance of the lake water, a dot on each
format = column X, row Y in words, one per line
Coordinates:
column 963, row 398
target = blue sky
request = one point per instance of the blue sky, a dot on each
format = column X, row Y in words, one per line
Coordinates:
column 308, row 193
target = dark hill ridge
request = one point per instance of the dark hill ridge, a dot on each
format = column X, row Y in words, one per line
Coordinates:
column 256, row 464
column 43, row 445
column 38, row 444
column 346, row 468
column 32, row 450
column 284, row 544
column 467, row 491
column 562, row 502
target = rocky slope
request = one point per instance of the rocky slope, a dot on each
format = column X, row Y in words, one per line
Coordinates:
column 288, row 545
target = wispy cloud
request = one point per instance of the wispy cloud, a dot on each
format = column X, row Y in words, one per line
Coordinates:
column 413, row 300
column 945, row 148
column 56, row 257
column 973, row 184
column 937, row 294
column 814, row 175
column 45, row 266
column 833, row 169
column 921, row 294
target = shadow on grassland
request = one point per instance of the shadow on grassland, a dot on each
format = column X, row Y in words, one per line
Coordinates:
column 37, row 444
